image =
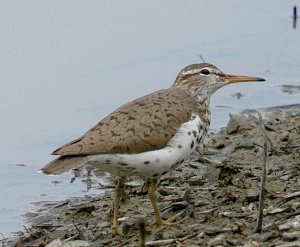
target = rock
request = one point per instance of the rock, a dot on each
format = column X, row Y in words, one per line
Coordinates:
column 245, row 144
column 290, row 244
column 211, row 231
column 251, row 243
column 290, row 236
column 164, row 242
column 75, row 243
column 218, row 142
column 195, row 180
column 237, row 122
column 252, row 195
column 219, row 240
column 265, row 236
column 199, row 203
column 129, row 226
column 275, row 186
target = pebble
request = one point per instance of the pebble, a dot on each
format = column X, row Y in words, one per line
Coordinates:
column 251, row 243
column 252, row 195
column 218, row 142
column 237, row 122
column 195, row 181
column 219, row 240
column 75, row 243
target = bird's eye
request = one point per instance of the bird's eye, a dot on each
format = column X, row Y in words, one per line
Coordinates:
column 204, row 72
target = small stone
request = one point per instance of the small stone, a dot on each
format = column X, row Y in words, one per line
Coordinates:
column 247, row 231
column 284, row 137
column 237, row 122
column 275, row 186
column 165, row 192
column 245, row 144
column 195, row 180
column 290, row 236
column 129, row 226
column 252, row 195
column 166, row 234
column 212, row 174
column 219, row 240
column 269, row 235
column 211, row 231
column 103, row 224
column 218, row 141
column 200, row 203
column 75, row 243
column 232, row 195
column 251, row 243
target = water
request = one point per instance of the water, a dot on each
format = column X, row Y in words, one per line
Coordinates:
column 66, row 65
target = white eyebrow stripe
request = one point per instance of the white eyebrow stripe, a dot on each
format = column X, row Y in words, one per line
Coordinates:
column 190, row 72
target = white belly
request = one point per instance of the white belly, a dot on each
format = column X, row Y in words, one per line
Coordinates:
column 153, row 164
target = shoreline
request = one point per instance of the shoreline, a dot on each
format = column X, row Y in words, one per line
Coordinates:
column 218, row 194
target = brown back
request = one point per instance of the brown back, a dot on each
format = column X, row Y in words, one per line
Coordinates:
column 145, row 124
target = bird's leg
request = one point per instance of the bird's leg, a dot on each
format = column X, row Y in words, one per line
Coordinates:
column 117, row 199
column 159, row 221
column 145, row 186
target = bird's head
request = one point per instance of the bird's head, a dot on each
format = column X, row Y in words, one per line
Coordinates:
column 204, row 79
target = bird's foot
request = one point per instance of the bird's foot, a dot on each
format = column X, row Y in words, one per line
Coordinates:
column 169, row 222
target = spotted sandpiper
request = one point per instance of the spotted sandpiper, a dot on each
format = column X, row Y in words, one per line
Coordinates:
column 151, row 135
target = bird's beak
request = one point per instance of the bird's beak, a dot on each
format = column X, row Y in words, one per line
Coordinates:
column 241, row 78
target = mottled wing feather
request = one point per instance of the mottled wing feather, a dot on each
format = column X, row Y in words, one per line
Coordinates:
column 145, row 124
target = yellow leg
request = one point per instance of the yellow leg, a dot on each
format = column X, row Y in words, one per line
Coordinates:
column 159, row 221
column 117, row 199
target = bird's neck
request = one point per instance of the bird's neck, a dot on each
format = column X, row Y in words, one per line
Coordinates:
column 201, row 105
column 204, row 110
column 200, row 91
column 199, row 100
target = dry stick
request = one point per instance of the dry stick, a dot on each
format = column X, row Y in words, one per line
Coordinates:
column 263, row 177
column 128, row 241
column 3, row 238
column 142, row 226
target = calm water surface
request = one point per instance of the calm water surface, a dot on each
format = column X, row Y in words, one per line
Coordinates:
column 66, row 64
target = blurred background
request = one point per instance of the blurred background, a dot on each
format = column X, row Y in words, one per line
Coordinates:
column 66, row 64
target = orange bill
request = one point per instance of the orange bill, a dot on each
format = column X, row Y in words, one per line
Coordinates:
column 241, row 78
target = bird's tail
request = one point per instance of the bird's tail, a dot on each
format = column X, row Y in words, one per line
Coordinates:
column 63, row 164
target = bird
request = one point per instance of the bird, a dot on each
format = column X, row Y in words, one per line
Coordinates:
column 149, row 136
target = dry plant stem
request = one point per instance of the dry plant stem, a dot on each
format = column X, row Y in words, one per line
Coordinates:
column 163, row 242
column 263, row 177
column 128, row 241
column 117, row 199
column 142, row 226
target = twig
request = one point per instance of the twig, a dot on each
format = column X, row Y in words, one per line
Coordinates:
column 106, row 186
column 128, row 240
column 26, row 229
column 142, row 227
column 289, row 215
column 3, row 238
column 292, row 195
column 207, row 211
column 263, row 177
column 162, row 242
column 188, row 236
column 76, row 227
